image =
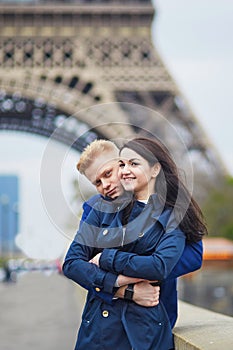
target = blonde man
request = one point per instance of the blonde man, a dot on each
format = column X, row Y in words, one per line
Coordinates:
column 99, row 163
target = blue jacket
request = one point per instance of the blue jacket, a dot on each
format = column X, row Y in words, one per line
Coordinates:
column 150, row 248
column 190, row 260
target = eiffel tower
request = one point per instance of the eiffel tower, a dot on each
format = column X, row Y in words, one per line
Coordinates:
column 60, row 58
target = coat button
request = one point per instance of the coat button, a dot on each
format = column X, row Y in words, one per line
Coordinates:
column 105, row 232
column 105, row 313
column 141, row 235
column 97, row 289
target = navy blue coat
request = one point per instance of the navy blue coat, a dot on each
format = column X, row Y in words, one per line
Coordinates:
column 190, row 260
column 150, row 247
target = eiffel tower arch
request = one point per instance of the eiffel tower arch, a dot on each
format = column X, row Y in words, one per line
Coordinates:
column 59, row 58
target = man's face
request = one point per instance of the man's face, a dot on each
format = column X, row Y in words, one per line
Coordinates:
column 103, row 174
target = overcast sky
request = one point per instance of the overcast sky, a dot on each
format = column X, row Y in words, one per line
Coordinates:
column 194, row 39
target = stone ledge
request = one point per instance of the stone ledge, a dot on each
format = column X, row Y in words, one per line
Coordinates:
column 201, row 329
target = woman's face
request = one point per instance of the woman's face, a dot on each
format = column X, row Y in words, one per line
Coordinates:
column 136, row 174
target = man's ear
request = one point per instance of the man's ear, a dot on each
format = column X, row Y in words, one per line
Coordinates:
column 156, row 169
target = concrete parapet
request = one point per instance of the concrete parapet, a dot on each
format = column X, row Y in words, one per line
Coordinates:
column 201, row 329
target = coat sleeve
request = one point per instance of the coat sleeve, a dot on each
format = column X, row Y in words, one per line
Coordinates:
column 191, row 260
column 77, row 267
column 156, row 266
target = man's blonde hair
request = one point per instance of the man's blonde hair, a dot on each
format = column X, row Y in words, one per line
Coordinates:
column 92, row 151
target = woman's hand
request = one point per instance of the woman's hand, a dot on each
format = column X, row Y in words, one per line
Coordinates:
column 145, row 294
column 96, row 259
column 124, row 280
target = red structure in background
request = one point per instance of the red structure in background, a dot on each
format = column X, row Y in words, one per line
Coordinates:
column 217, row 248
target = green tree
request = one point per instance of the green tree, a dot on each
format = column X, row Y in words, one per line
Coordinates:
column 218, row 210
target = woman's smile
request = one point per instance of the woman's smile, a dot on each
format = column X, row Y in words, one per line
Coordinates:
column 136, row 174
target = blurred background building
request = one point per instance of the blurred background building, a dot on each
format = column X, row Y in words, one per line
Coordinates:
column 9, row 217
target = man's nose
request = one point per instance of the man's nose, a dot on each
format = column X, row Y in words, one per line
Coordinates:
column 105, row 183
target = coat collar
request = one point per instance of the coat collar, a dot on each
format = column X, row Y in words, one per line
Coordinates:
column 111, row 208
column 159, row 212
column 154, row 209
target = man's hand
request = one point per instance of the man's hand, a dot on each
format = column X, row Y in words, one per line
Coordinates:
column 144, row 293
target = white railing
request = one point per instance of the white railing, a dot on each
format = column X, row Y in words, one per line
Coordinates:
column 201, row 329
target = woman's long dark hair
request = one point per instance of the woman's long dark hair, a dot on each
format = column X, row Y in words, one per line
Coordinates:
column 171, row 191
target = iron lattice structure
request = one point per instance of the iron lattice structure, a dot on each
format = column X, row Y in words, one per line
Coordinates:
column 60, row 58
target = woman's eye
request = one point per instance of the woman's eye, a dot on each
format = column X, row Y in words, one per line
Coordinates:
column 134, row 164
column 121, row 165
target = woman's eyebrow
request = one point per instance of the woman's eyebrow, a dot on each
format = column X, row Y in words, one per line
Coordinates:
column 129, row 160
column 133, row 159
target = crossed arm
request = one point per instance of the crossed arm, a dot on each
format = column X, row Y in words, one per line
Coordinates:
column 101, row 280
column 144, row 294
column 78, row 268
column 77, row 261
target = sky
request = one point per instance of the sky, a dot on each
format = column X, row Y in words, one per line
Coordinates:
column 194, row 39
